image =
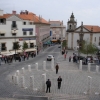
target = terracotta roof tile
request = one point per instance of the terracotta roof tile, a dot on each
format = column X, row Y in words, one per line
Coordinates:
column 91, row 27
column 30, row 16
column 5, row 16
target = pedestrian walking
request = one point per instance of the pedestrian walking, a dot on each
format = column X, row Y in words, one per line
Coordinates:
column 56, row 67
column 65, row 56
column 59, row 82
column 48, row 83
column 70, row 59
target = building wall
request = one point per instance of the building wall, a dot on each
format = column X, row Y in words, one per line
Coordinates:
column 7, row 29
column 69, row 40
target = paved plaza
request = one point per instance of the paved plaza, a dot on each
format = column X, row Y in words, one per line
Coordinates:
column 74, row 82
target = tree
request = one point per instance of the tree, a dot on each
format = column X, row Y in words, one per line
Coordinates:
column 64, row 43
column 59, row 41
column 25, row 46
column 88, row 48
column 16, row 46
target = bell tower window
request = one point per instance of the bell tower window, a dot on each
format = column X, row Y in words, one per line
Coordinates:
column 70, row 26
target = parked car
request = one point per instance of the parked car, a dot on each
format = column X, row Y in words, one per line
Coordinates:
column 49, row 57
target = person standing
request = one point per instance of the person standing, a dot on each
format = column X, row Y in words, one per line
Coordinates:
column 59, row 82
column 57, row 67
column 48, row 83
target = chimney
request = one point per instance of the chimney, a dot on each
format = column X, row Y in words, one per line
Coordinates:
column 1, row 12
column 13, row 12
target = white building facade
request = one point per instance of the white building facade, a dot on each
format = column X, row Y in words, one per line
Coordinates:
column 89, row 33
column 13, row 29
column 58, row 30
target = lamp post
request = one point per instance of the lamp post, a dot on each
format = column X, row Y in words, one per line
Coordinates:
column 15, row 43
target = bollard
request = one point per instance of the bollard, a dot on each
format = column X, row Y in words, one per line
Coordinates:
column 52, row 64
column 44, row 82
column 29, row 68
column 44, row 65
column 89, row 67
column 23, row 70
column 80, row 66
column 16, row 80
column 36, row 66
column 32, row 82
column 89, row 84
column 17, row 72
column 22, row 82
column 97, row 68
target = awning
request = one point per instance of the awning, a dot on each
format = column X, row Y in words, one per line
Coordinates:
column 54, row 40
column 32, row 41
column 6, row 53
column 27, row 41
column 30, row 50
column 17, row 51
column 14, row 31
column 2, row 32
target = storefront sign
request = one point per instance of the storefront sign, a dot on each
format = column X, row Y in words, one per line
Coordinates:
column 27, row 29
column 22, row 39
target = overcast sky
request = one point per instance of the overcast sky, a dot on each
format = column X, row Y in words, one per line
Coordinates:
column 87, row 11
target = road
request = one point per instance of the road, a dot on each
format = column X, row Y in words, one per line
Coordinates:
column 9, row 90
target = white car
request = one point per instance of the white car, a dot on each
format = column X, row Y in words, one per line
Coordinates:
column 49, row 57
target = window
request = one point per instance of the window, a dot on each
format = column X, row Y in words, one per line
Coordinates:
column 13, row 34
column 14, row 24
column 30, row 23
column 24, row 23
column 31, row 45
column 3, row 46
column 31, row 32
column 70, row 26
column 95, row 39
column 24, row 33
column 2, row 34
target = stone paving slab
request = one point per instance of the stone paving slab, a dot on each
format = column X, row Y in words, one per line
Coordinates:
column 74, row 84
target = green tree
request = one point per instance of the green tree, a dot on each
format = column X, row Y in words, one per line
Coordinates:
column 25, row 46
column 16, row 46
column 64, row 44
column 58, row 41
column 88, row 48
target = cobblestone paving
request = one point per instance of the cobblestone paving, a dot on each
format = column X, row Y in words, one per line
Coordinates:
column 74, row 83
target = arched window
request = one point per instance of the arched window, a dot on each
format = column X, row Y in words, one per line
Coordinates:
column 70, row 26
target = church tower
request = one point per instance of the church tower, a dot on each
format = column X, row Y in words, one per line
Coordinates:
column 71, row 24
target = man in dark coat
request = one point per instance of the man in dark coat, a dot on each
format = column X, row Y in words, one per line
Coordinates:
column 56, row 67
column 48, row 83
column 59, row 82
